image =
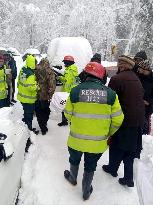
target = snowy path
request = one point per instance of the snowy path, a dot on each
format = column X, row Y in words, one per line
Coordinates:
column 43, row 182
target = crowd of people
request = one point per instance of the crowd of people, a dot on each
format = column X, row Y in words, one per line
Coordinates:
column 100, row 116
column 8, row 74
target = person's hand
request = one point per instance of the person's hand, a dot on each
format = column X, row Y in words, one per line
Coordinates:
column 145, row 102
column 109, row 140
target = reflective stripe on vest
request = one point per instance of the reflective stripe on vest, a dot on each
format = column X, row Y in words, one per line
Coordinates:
column 115, row 127
column 25, row 85
column 88, row 116
column 27, row 97
column 87, row 137
column 118, row 113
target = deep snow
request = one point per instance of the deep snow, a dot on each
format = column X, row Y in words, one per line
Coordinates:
column 43, row 182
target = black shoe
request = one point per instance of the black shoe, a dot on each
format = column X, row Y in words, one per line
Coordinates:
column 11, row 104
column 126, row 182
column 13, row 101
column 64, row 123
column 107, row 169
column 69, row 178
column 43, row 132
column 35, row 131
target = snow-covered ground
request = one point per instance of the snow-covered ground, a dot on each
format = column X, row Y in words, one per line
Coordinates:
column 42, row 181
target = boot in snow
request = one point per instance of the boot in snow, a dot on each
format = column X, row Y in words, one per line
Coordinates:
column 28, row 144
column 34, row 130
column 63, row 123
column 86, row 184
column 108, row 170
column 71, row 175
column 124, row 182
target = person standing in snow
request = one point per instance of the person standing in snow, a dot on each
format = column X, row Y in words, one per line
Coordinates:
column 96, row 58
column 3, row 83
column 69, row 80
column 12, row 66
column 94, row 113
column 145, row 75
column 126, row 143
column 27, row 90
column 8, row 78
column 46, row 80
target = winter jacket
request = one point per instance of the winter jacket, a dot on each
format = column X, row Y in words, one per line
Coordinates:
column 94, row 113
column 147, row 83
column 130, row 92
column 46, row 80
column 3, row 83
column 69, row 79
column 27, row 85
column 12, row 65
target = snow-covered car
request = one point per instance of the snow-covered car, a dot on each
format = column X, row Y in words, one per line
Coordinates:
column 78, row 47
column 35, row 52
column 11, row 169
column 14, row 51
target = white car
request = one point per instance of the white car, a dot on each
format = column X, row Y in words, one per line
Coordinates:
column 11, row 170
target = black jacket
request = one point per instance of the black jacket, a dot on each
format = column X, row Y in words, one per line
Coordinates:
column 147, row 83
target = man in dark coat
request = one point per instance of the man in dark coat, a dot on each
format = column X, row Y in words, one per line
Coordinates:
column 127, row 141
column 47, row 84
column 146, row 77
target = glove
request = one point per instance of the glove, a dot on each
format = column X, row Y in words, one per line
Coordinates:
column 109, row 141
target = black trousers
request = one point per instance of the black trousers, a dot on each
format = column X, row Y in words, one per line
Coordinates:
column 13, row 88
column 42, row 113
column 28, row 114
column 90, row 159
column 147, row 125
column 116, row 156
column 64, row 119
column 3, row 103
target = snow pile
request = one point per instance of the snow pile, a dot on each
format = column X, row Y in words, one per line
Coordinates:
column 43, row 182
column 144, row 172
column 78, row 47
column 10, row 171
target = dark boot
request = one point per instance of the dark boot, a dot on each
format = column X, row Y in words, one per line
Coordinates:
column 71, row 175
column 124, row 182
column 108, row 170
column 28, row 144
column 63, row 123
column 86, row 184
column 35, row 131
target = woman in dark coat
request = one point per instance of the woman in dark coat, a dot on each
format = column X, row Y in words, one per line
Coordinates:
column 127, row 141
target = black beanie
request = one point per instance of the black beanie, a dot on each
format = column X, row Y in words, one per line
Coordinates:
column 141, row 54
column 96, row 58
